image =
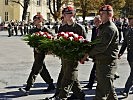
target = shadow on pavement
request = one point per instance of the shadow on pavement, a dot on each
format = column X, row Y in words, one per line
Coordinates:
column 15, row 93
column 38, row 89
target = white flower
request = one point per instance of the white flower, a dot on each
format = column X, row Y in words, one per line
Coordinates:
column 49, row 36
column 42, row 33
column 75, row 35
column 62, row 33
column 71, row 38
column 55, row 37
column 60, row 38
column 70, row 33
column 81, row 40
column 65, row 35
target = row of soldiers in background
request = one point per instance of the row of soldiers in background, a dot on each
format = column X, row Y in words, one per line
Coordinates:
column 22, row 26
column 122, row 25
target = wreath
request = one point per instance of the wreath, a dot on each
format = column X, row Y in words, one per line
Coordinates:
column 65, row 44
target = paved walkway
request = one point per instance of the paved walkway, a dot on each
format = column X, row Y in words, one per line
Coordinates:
column 16, row 59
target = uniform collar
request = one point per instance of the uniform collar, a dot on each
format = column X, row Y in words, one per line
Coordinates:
column 105, row 24
column 72, row 25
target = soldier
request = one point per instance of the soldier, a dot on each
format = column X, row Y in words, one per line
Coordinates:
column 16, row 28
column 9, row 28
column 97, row 22
column 38, row 65
column 128, row 43
column 118, row 23
column 25, row 27
column 124, row 26
column 21, row 28
column 105, row 54
column 68, row 77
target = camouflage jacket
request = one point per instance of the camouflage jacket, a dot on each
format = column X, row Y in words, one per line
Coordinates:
column 107, row 49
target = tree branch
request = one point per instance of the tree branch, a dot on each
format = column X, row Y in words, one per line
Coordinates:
column 18, row 2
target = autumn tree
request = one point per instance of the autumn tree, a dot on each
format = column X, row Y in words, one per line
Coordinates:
column 128, row 8
column 55, row 7
column 117, row 5
column 93, row 5
column 26, row 4
column 87, row 6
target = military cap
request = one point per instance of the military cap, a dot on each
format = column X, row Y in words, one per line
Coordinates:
column 68, row 10
column 38, row 17
column 106, row 8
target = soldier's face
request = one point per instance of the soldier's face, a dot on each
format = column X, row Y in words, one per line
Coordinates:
column 36, row 21
column 103, row 15
column 131, row 22
column 64, row 20
column 68, row 17
column 97, row 21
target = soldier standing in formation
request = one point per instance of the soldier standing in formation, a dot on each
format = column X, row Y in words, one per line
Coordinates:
column 9, row 29
column 21, row 28
column 16, row 28
column 39, row 66
column 128, row 43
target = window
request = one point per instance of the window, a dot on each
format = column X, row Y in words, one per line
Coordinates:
column 48, row 16
column 6, row 2
column 28, row 16
column 6, row 16
column 38, row 2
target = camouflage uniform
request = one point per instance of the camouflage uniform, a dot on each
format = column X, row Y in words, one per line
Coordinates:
column 68, row 77
column 39, row 65
column 105, row 54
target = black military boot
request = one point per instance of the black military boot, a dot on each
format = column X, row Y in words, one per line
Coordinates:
column 89, row 86
column 75, row 97
column 72, row 97
column 25, row 90
column 50, row 88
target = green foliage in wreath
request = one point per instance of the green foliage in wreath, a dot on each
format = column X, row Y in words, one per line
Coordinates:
column 72, row 49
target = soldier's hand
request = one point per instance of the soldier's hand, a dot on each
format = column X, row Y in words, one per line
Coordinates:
column 82, row 61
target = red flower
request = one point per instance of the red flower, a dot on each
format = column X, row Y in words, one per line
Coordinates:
column 49, row 36
column 80, row 37
column 86, row 41
column 70, row 34
column 76, row 39
column 37, row 33
column 62, row 34
column 45, row 33
column 75, row 35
